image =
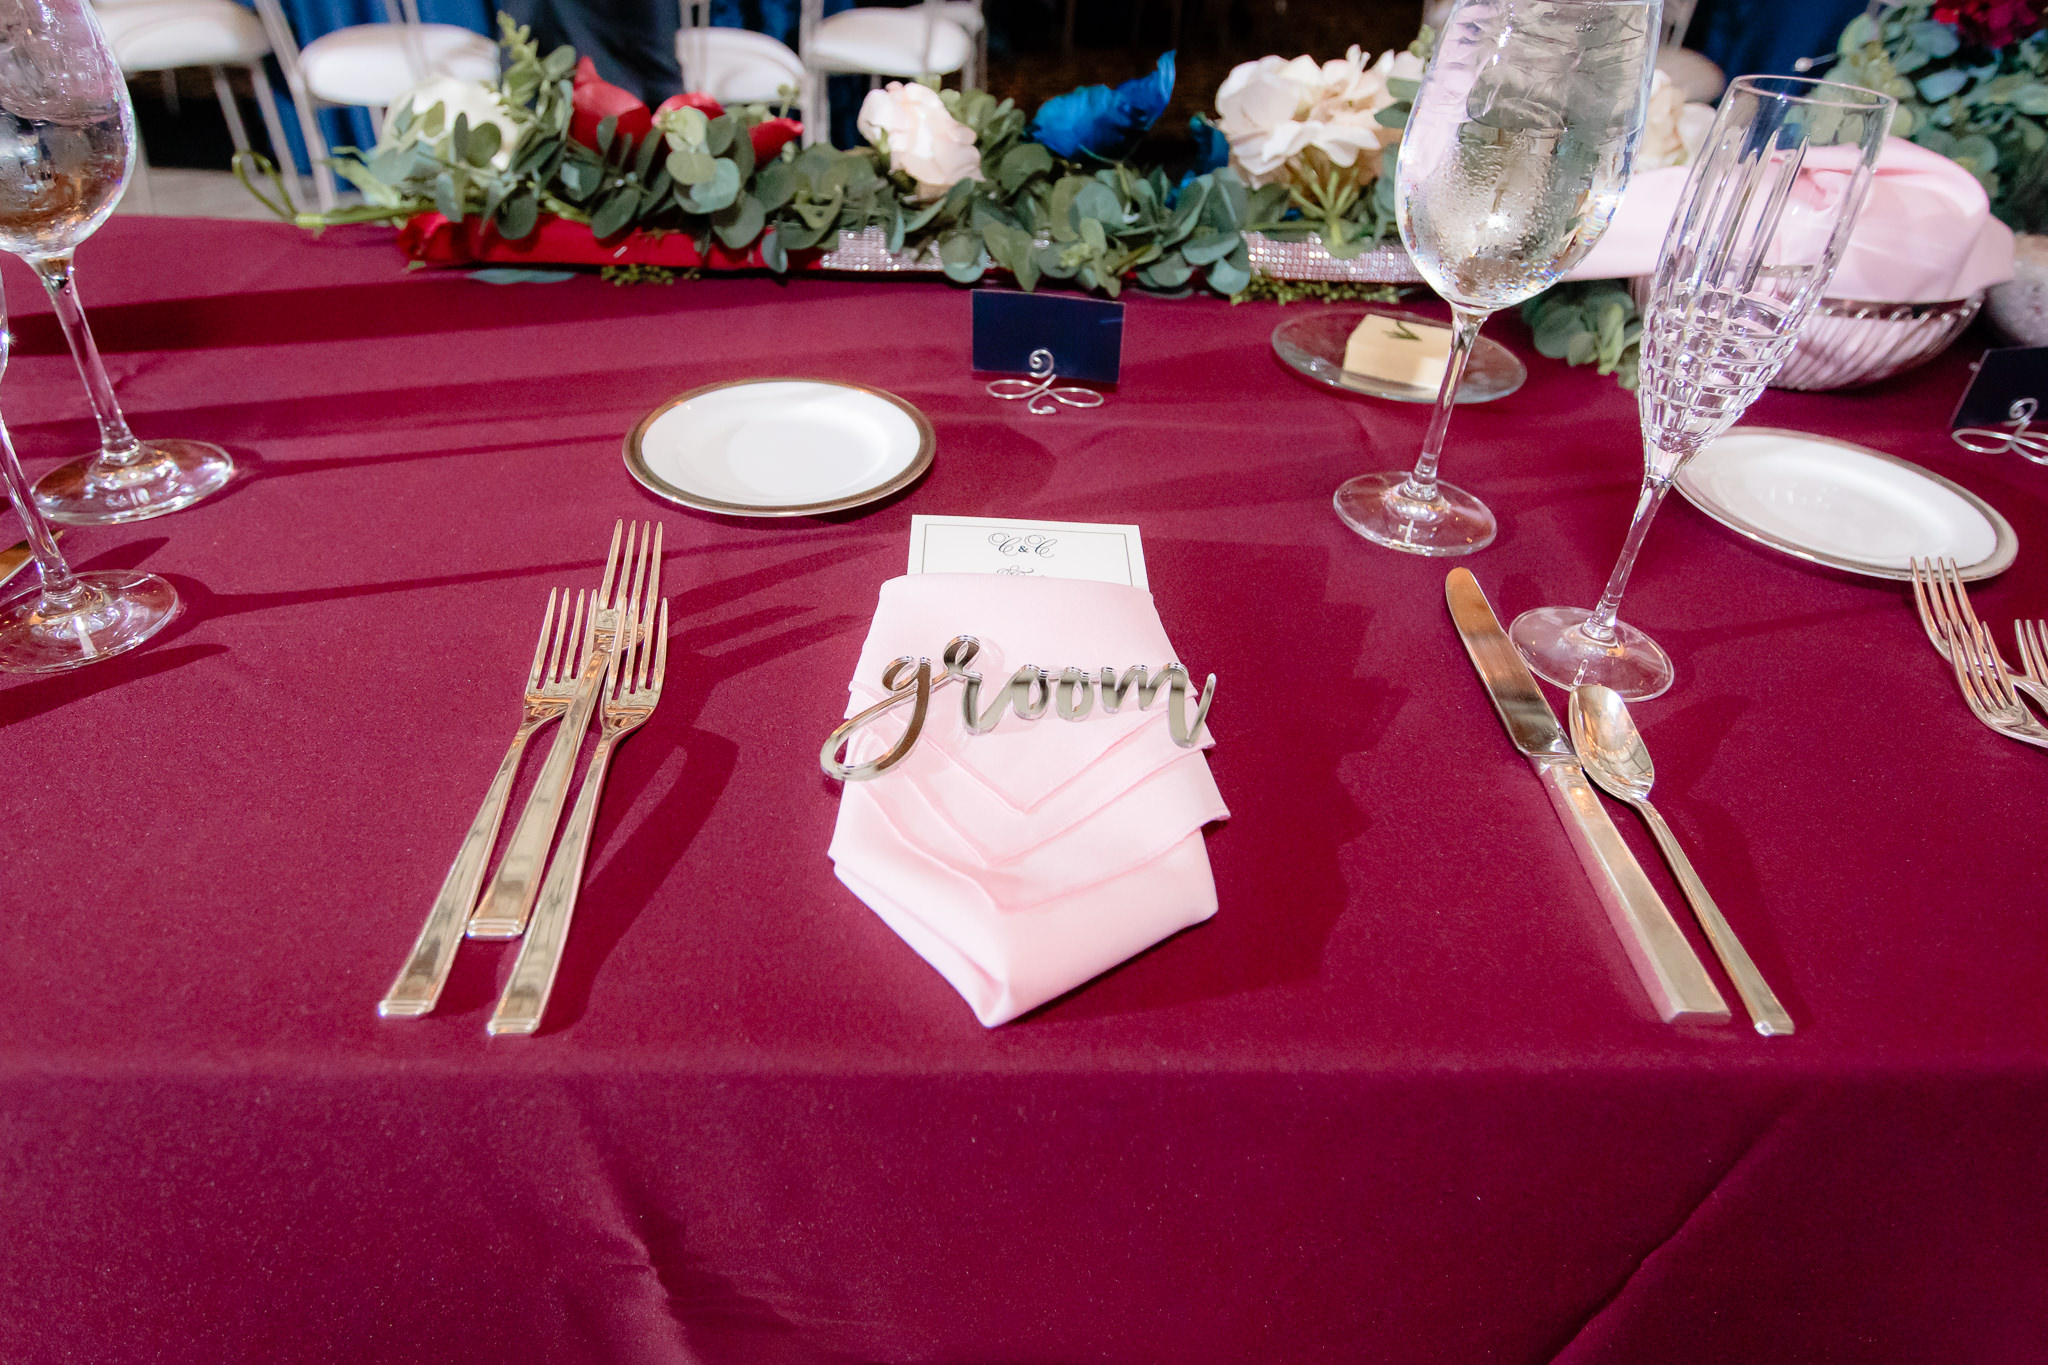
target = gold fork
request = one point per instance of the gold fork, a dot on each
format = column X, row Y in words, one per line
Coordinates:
column 507, row 901
column 550, row 685
column 634, row 690
column 1988, row 689
column 1945, row 612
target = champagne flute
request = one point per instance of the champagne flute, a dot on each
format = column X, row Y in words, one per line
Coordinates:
column 1515, row 154
column 69, row 619
column 67, row 147
column 1759, row 228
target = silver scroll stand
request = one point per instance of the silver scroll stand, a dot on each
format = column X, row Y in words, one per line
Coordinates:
column 1040, row 396
column 2013, row 436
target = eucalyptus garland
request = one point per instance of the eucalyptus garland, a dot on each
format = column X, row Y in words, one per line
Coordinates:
column 736, row 177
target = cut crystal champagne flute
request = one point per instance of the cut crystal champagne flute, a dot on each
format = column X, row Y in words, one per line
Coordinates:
column 67, row 147
column 69, row 619
column 1516, row 150
column 1760, row 226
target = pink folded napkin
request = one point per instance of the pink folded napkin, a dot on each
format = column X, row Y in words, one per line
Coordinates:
column 1925, row 235
column 1021, row 862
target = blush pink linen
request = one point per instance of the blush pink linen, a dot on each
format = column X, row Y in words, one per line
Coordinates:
column 1025, row 861
column 1926, row 233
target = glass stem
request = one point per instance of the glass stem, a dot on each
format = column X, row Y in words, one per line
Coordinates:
column 1465, row 324
column 60, row 589
column 118, row 445
column 1600, row 625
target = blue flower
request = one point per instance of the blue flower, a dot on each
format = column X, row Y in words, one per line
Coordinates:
column 1212, row 149
column 1096, row 121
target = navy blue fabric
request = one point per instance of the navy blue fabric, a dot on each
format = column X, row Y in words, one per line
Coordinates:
column 1765, row 37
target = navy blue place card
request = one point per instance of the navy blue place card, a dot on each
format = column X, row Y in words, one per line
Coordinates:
column 2005, row 375
column 1085, row 336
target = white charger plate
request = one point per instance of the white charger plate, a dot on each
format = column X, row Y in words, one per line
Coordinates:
column 779, row 447
column 1843, row 505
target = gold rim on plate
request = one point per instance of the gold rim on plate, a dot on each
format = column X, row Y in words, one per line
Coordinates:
column 636, row 461
column 2004, row 550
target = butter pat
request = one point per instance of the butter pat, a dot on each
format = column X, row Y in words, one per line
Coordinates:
column 1399, row 350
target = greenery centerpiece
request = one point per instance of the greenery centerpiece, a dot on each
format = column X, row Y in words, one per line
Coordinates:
column 554, row 165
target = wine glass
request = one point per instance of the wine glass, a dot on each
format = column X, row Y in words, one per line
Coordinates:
column 68, row 620
column 1760, row 225
column 67, row 146
column 1516, row 150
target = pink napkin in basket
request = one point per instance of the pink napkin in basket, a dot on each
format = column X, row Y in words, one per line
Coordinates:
column 1925, row 235
column 1022, row 862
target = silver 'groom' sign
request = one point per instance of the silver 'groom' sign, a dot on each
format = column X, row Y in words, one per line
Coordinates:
column 1031, row 691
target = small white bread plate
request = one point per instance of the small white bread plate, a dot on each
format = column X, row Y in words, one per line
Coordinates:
column 779, row 447
column 1842, row 505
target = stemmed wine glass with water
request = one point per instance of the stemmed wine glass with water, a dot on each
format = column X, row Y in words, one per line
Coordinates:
column 1760, row 226
column 1516, row 150
column 69, row 619
column 67, row 146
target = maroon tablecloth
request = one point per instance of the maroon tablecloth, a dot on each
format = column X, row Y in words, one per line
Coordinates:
column 1401, row 1100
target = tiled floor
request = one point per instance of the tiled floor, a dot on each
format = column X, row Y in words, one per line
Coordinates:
column 190, row 194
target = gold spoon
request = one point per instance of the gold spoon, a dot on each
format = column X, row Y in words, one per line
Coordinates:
column 1614, row 757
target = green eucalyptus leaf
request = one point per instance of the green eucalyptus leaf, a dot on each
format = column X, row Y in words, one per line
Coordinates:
column 607, row 130
column 717, row 193
column 1583, row 348
column 458, row 138
column 580, row 179
column 775, row 184
column 816, row 213
column 1168, row 272
column 1404, row 91
column 616, row 212
column 1209, row 246
column 643, row 162
column 1061, row 208
column 718, row 134
column 1020, row 163
column 799, row 236
column 691, row 168
column 1393, row 116
column 1093, row 236
column 484, row 141
column 1942, row 84
column 1935, row 39
column 1228, row 277
column 519, row 216
column 446, row 201
column 558, row 64
column 740, row 223
column 2031, row 99
column 1053, row 264
column 741, row 154
column 1097, row 201
column 773, row 254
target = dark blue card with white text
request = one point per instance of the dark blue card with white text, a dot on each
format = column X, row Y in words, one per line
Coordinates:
column 2005, row 375
column 1085, row 336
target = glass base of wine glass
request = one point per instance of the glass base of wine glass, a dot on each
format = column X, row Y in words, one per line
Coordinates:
column 1554, row 642
column 94, row 491
column 1378, row 508
column 113, row 613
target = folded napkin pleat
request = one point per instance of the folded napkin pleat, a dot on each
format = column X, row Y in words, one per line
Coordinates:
column 1023, row 861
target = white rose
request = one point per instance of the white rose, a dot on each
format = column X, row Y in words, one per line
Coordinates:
column 1672, row 129
column 1273, row 111
column 1257, row 97
column 923, row 139
column 479, row 102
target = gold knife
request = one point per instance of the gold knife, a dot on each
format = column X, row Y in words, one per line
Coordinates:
column 1669, row 969
column 16, row 557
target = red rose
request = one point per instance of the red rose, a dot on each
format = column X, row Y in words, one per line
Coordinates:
column 772, row 135
column 593, row 100
column 704, row 104
column 1989, row 23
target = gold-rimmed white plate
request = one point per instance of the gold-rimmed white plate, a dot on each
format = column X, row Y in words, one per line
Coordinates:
column 779, row 447
column 1843, row 505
